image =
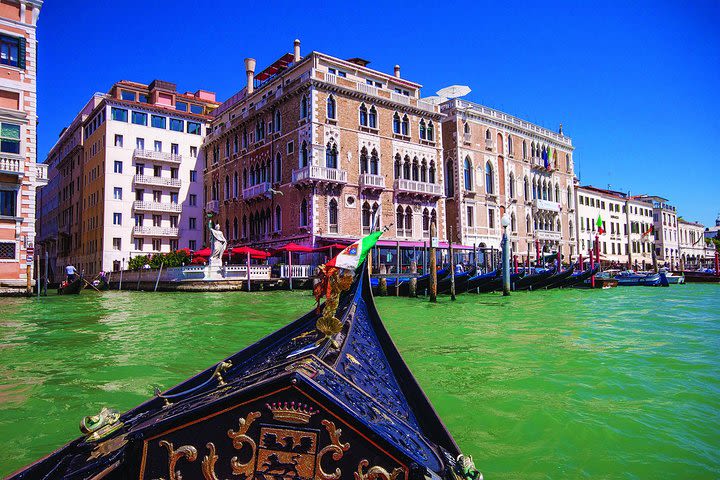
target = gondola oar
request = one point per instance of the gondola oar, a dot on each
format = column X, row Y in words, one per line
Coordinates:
column 90, row 285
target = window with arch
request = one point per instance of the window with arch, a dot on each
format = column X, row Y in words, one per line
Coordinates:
column 571, row 229
column 304, row 156
column 396, row 123
column 426, row 223
column 331, row 107
column 245, row 178
column 488, row 135
column 415, row 170
column 333, row 216
column 235, row 185
column 331, row 155
column 511, row 186
column 489, row 180
column 278, row 122
column 405, row 127
column 259, row 129
column 423, row 170
column 431, row 172
column 527, row 225
column 449, row 183
column 278, row 218
column 366, row 218
column 431, row 132
column 406, row 167
column 364, row 162
column 466, row 128
column 422, row 130
column 513, row 223
column 509, row 145
column 567, row 162
column 227, row 187
column 244, row 138
column 374, row 162
column 526, row 189
column 363, row 115
column 372, row 117
column 235, row 229
column 303, row 213
column 467, row 173
column 398, row 166
column 278, row 168
column 400, row 221
column 236, row 143
column 524, row 150
column 304, row 107
column 408, row 222
column 557, row 193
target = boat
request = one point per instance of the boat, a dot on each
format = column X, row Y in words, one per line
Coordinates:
column 70, row 288
column 632, row 279
column 461, row 281
column 326, row 397
column 554, row 278
column 481, row 279
column 529, row 281
column 423, row 283
column 576, row 278
column 693, row 276
column 496, row 284
column 673, row 278
column 603, row 280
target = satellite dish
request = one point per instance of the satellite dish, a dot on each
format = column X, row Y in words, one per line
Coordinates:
column 435, row 99
column 454, row 91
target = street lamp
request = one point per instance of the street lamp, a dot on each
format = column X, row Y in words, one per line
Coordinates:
column 505, row 222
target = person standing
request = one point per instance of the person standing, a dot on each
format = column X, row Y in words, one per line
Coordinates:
column 70, row 272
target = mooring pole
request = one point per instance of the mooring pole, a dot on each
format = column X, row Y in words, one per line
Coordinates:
column 398, row 265
column 382, row 282
column 433, row 263
column 248, row 270
column 45, row 283
column 122, row 267
column 413, row 280
column 505, row 256
column 158, row 277
column 452, row 266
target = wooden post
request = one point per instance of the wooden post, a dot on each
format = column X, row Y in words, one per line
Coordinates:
column 383, row 281
column 398, row 265
column 45, row 282
column 592, row 265
column 158, row 277
column 452, row 266
column 122, row 267
column 433, row 264
column 247, row 262
column 475, row 257
column 28, row 273
column 425, row 258
column 413, row 280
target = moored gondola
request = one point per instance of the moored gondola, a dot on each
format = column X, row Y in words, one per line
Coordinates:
column 495, row 284
column 326, row 397
column 529, row 281
column 554, row 279
column 576, row 278
column 481, row 279
column 71, row 288
column 423, row 283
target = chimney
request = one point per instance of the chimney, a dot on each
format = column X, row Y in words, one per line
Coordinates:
column 250, row 71
column 296, row 57
column 397, row 71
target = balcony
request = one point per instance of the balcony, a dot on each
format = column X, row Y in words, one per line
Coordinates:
column 489, row 144
column 149, row 231
column 157, row 207
column 256, row 191
column 157, row 181
column 369, row 181
column 467, row 138
column 157, row 156
column 315, row 174
column 212, row 206
column 41, row 174
column 423, row 189
column 12, row 165
column 548, row 235
column 546, row 205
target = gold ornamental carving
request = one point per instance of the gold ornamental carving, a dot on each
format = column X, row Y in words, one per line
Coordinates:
column 208, row 463
column 377, row 473
column 187, row 451
column 336, row 447
column 240, row 439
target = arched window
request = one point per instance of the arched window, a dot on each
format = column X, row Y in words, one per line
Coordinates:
column 278, row 218
column 366, row 218
column 527, row 225
column 449, row 182
column 467, row 173
column 245, row 178
column 544, row 191
column 364, row 166
column 408, row 222
column 536, row 189
column 235, row 185
column 489, row 181
column 374, row 162
column 373, row 117
column 398, row 166
column 331, row 107
column 236, row 144
column 331, row 155
column 244, row 227
column 513, row 223
column 571, row 229
column 423, row 171
column 557, row 193
column 406, row 168
column 433, row 217
column 526, row 189
column 400, row 221
column 567, row 162
column 303, row 213
column 431, row 132
column 252, row 176
column 363, row 115
column 532, row 150
column 405, row 125
column 511, row 186
column 488, row 135
column 259, row 129
column 227, row 187
column 304, row 107
column 235, row 229
column 524, row 149
column 557, row 226
column 304, row 157
column 422, row 130
column 278, row 168
column 278, row 122
column 415, row 170
column 268, row 220
column 333, row 216
column 396, row 123
column 466, row 128
column 426, row 223
column 431, row 172
column 244, row 138
column 509, row 145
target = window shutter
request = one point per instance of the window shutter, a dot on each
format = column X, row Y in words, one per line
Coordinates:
column 21, row 53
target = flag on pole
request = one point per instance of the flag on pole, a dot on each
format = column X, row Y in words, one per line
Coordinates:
column 648, row 231
column 599, row 224
column 354, row 255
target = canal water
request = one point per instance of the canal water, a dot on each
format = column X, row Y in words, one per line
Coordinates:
column 622, row 383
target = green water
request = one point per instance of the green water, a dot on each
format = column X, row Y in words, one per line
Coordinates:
column 622, row 383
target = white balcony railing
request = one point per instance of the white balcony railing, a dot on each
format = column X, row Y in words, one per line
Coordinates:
column 400, row 98
column 159, row 181
column 151, row 231
column 322, row 174
column 369, row 180
column 412, row 186
column 256, row 190
column 213, row 206
column 157, row 206
column 546, row 205
column 369, row 89
column 157, row 156
column 14, row 165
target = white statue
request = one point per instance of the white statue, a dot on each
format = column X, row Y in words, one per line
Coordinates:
column 218, row 242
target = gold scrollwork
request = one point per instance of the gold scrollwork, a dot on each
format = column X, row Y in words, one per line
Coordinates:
column 336, row 447
column 208, row 463
column 377, row 473
column 240, row 439
column 187, row 451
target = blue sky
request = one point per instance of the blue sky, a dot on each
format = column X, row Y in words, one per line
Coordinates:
column 635, row 84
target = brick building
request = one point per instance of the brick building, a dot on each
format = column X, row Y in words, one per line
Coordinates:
column 20, row 175
column 317, row 150
column 496, row 164
column 128, row 169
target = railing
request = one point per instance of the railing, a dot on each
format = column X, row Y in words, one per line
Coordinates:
column 369, row 89
column 212, row 206
column 400, row 98
column 298, row 271
column 256, row 190
column 548, row 235
column 539, row 204
column 157, row 156
column 240, row 272
column 151, row 231
column 312, row 172
column 160, row 181
column 41, row 174
column 413, row 186
column 15, row 165
column 157, row 206
column 330, row 78
column 371, row 180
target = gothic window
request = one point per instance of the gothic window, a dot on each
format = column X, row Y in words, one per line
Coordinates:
column 235, row 229
column 426, row 223
column 396, row 123
column 405, row 125
column 431, row 172
column 557, row 193
column 526, row 189
column 511, row 186
column 374, row 163
column 245, row 178
column 366, row 218
column 431, row 131
column 333, row 216
column 363, row 160
column 509, row 145
column 423, row 171
column 331, row 107
column 235, row 185
column 278, row 122
column 244, row 227
column 398, row 166
column 489, row 181
column 422, row 130
column 415, row 170
column 400, row 221
column 278, row 168
column 331, row 155
column 227, row 187
column 466, row 128
column 303, row 213
column 304, row 107
column 373, row 117
column 408, row 222
column 467, row 174
column 449, row 182
column 363, row 115
column 304, row 157
column 513, row 223
column 406, row 168
column 524, row 149
column 488, row 135
column 278, row 218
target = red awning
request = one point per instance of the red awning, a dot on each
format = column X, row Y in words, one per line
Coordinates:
column 334, row 246
column 293, row 247
column 253, row 252
column 205, row 252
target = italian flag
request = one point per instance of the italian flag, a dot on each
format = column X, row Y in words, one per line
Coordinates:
column 599, row 224
column 649, row 231
column 354, row 255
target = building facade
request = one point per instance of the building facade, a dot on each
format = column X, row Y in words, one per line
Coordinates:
column 692, row 248
column 665, row 229
column 20, row 175
column 317, row 150
column 130, row 167
column 627, row 241
column 497, row 164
